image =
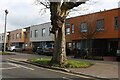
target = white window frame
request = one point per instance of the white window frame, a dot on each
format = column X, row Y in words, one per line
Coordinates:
column 100, row 25
column 73, row 28
column 43, row 31
column 83, row 27
column 36, row 33
column 67, row 30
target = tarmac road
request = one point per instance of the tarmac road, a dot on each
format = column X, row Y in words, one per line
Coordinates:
column 14, row 71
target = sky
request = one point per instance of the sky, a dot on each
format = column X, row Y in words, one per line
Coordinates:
column 24, row 13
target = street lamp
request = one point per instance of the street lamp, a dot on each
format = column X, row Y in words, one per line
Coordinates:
column 6, row 12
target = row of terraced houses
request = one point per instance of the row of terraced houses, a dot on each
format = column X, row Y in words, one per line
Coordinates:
column 102, row 27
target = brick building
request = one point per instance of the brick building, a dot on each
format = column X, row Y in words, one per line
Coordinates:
column 102, row 28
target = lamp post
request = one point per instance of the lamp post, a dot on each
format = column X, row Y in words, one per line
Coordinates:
column 6, row 12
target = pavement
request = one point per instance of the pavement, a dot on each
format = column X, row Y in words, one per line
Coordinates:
column 101, row 69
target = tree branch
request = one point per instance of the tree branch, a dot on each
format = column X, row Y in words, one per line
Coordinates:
column 70, row 5
column 46, row 5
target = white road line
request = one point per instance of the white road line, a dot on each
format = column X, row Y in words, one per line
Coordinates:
column 27, row 67
column 8, row 68
column 21, row 66
column 16, row 66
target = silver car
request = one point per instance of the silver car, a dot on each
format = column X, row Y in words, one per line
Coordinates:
column 15, row 48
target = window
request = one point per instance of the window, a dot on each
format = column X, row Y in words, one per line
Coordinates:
column 84, row 27
column 73, row 30
column 43, row 32
column 67, row 30
column 36, row 33
column 69, row 45
column 100, row 25
column 49, row 31
column 116, row 22
column 67, row 23
column 0, row 37
column 26, row 35
column 13, row 36
column 31, row 34
column 17, row 35
column 20, row 35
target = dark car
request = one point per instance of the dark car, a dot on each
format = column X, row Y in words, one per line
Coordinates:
column 47, row 49
column 39, row 50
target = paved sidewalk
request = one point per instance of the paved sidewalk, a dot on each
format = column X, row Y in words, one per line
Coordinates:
column 102, row 70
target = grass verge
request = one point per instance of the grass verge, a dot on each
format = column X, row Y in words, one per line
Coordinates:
column 70, row 63
column 6, row 53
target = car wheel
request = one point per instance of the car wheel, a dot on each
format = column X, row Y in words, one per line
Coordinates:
column 14, row 50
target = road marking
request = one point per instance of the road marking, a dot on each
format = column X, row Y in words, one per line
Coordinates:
column 8, row 68
column 21, row 66
column 27, row 67
column 16, row 66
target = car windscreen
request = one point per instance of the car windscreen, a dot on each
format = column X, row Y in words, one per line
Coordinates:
column 49, row 46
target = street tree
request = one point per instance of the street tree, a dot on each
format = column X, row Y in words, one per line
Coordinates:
column 59, row 10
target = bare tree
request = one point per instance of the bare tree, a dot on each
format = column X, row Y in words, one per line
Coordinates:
column 91, row 30
column 59, row 11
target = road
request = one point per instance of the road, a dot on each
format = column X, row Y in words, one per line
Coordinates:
column 15, row 71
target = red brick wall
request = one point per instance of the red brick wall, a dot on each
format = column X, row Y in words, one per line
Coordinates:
column 109, row 31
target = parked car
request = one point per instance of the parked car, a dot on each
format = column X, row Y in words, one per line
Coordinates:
column 15, row 48
column 39, row 50
column 47, row 49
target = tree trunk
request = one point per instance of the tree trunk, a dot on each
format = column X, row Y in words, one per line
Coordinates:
column 59, row 56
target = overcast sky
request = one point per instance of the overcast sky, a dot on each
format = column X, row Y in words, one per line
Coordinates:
column 23, row 13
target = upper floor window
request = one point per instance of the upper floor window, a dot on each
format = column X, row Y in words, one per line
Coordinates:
column 26, row 35
column 13, row 36
column 31, row 34
column 20, row 35
column 17, row 35
column 36, row 33
column 84, row 27
column 49, row 31
column 67, row 30
column 0, row 37
column 67, row 23
column 73, row 28
column 43, row 32
column 100, row 25
column 116, row 22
